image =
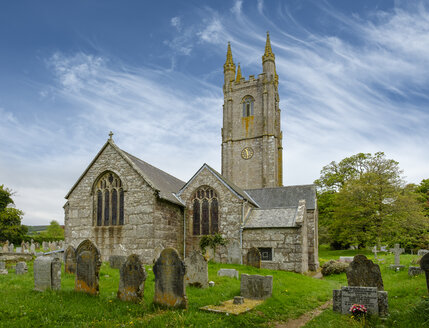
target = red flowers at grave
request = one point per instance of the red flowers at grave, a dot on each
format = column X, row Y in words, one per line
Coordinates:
column 358, row 310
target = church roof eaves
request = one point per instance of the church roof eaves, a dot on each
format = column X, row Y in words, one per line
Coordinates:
column 232, row 187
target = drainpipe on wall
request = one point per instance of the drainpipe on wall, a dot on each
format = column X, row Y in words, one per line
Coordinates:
column 241, row 231
column 184, row 233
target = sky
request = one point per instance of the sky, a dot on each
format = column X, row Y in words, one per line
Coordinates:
column 353, row 77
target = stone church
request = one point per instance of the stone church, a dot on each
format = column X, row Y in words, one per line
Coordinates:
column 125, row 205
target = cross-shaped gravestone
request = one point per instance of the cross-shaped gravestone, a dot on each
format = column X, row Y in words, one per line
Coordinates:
column 397, row 251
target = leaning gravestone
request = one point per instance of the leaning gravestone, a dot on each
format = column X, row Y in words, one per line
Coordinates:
column 21, row 268
column 234, row 253
column 365, row 287
column 70, row 260
column 197, row 272
column 424, row 265
column 3, row 269
column 87, row 267
column 169, row 272
column 397, row 251
column 47, row 273
column 132, row 279
column 256, row 286
column 116, row 261
column 254, row 258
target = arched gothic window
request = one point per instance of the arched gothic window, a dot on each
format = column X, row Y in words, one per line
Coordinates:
column 248, row 102
column 205, row 212
column 109, row 200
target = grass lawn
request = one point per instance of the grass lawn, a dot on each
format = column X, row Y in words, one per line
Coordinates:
column 293, row 295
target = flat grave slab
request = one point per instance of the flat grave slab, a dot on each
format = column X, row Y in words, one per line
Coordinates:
column 228, row 307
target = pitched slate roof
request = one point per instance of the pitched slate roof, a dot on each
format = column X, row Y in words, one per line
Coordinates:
column 166, row 184
column 272, row 218
column 231, row 186
column 284, row 196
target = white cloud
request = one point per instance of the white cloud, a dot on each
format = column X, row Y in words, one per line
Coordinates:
column 177, row 23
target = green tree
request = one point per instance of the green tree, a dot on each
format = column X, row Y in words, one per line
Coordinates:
column 10, row 218
column 422, row 191
column 54, row 231
column 212, row 241
column 363, row 200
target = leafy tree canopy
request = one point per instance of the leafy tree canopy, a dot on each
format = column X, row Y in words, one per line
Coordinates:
column 10, row 218
column 54, row 231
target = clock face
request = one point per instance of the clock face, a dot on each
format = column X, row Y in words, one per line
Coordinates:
column 247, row 153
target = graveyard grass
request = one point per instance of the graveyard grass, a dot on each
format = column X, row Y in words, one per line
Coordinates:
column 293, row 295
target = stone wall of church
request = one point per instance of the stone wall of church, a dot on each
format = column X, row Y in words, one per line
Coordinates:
column 287, row 247
column 145, row 217
column 230, row 212
column 313, row 240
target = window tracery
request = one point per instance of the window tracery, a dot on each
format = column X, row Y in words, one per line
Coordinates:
column 109, row 200
column 205, row 212
column 248, row 102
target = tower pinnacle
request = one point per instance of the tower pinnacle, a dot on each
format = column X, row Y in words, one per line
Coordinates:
column 229, row 63
column 237, row 80
column 268, row 55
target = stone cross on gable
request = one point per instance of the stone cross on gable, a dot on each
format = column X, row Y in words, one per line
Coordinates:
column 397, row 251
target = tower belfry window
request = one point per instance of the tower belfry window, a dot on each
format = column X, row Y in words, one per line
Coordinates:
column 248, row 102
column 108, row 209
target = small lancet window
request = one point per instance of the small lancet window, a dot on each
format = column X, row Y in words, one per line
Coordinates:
column 248, row 102
column 107, row 204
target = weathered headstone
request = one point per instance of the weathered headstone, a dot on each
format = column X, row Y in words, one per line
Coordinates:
column 116, row 261
column 234, row 253
column 156, row 252
column 424, row 265
column 23, row 246
column 364, row 273
column 87, row 267
column 422, row 252
column 70, row 260
column 374, row 250
column 47, row 273
column 21, row 268
column 197, row 272
column 132, row 279
column 365, row 287
column 254, row 257
column 414, row 271
column 397, row 251
column 18, row 250
column 45, row 245
column 169, row 272
column 32, row 248
column 256, row 286
column 11, row 248
column 6, row 247
column 3, row 269
column 232, row 273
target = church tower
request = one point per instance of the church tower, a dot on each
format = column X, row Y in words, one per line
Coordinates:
column 251, row 134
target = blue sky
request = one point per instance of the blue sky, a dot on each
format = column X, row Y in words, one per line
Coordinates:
column 353, row 77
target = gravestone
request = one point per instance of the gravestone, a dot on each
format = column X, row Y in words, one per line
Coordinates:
column 397, row 251
column 365, row 287
column 23, row 246
column 234, row 253
column 254, row 257
column 232, row 273
column 3, row 269
column 21, row 268
column 19, row 249
column 197, row 272
column 32, row 248
column 70, row 260
column 47, row 273
column 11, row 248
column 364, row 273
column 374, row 250
column 6, row 247
column 346, row 259
column 422, row 252
column 37, row 245
column 169, row 272
column 87, row 267
column 116, row 261
column 414, row 271
column 424, row 265
column 132, row 279
column 256, row 286
column 45, row 245
column 156, row 252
